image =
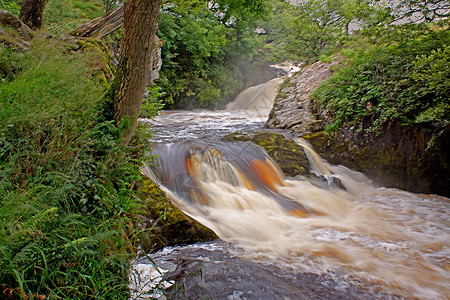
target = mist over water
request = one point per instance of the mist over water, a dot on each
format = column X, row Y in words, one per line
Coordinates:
column 378, row 238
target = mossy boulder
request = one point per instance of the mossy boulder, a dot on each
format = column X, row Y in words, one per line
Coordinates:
column 163, row 224
column 289, row 156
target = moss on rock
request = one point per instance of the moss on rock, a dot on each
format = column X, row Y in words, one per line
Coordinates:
column 166, row 225
column 286, row 153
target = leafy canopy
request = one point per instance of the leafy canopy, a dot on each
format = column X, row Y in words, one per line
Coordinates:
column 200, row 41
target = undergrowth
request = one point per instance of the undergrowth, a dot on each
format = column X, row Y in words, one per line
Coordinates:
column 404, row 77
column 66, row 199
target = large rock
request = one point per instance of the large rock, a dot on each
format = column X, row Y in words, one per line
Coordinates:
column 289, row 156
column 401, row 157
column 409, row 158
column 163, row 224
column 292, row 107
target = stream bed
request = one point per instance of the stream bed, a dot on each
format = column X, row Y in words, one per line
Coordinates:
column 287, row 238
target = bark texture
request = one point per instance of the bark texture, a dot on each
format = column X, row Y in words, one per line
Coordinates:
column 101, row 26
column 140, row 25
column 31, row 13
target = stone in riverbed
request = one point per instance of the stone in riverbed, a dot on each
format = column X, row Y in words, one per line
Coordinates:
column 289, row 156
column 163, row 224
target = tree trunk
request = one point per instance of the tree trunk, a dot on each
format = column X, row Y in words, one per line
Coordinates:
column 101, row 26
column 31, row 13
column 140, row 25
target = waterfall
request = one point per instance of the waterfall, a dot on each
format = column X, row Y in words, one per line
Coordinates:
column 378, row 236
column 257, row 98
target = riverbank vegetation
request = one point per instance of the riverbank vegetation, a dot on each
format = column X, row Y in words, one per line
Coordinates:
column 401, row 76
column 66, row 200
column 205, row 54
column 67, row 204
column 394, row 59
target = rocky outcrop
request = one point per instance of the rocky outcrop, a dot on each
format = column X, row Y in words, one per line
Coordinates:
column 163, row 224
column 401, row 157
column 291, row 109
column 409, row 158
column 289, row 156
column 14, row 32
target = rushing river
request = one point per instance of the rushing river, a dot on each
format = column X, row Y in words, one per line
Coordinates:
column 286, row 238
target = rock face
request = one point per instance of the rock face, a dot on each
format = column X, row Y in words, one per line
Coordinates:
column 291, row 109
column 289, row 156
column 409, row 158
column 400, row 157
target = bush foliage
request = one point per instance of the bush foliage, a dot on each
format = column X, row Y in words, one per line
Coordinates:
column 404, row 76
column 202, row 50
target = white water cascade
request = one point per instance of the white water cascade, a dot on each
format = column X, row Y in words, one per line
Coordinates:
column 377, row 238
column 383, row 237
column 258, row 99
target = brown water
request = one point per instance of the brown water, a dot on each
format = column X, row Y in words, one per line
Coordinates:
column 257, row 99
column 378, row 238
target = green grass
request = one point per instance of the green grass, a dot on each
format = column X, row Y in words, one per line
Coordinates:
column 66, row 200
column 10, row 5
column 62, row 16
column 91, row 8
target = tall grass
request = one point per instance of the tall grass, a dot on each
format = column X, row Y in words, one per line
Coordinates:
column 65, row 194
column 62, row 16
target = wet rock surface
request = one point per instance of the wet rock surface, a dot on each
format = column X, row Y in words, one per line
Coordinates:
column 207, row 271
column 399, row 157
column 289, row 156
column 292, row 107
column 169, row 225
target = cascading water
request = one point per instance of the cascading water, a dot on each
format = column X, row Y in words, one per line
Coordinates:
column 378, row 238
column 257, row 98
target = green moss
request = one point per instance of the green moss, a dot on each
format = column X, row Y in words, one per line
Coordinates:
column 286, row 153
column 166, row 224
column 102, row 64
column 90, row 8
column 319, row 140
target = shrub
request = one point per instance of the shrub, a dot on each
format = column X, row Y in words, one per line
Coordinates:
column 406, row 80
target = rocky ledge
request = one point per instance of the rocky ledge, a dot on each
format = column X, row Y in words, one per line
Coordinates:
column 409, row 158
column 292, row 106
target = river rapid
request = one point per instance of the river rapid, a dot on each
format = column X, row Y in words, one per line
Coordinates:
column 286, row 238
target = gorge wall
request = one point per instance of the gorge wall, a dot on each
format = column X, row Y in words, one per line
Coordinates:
column 409, row 158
